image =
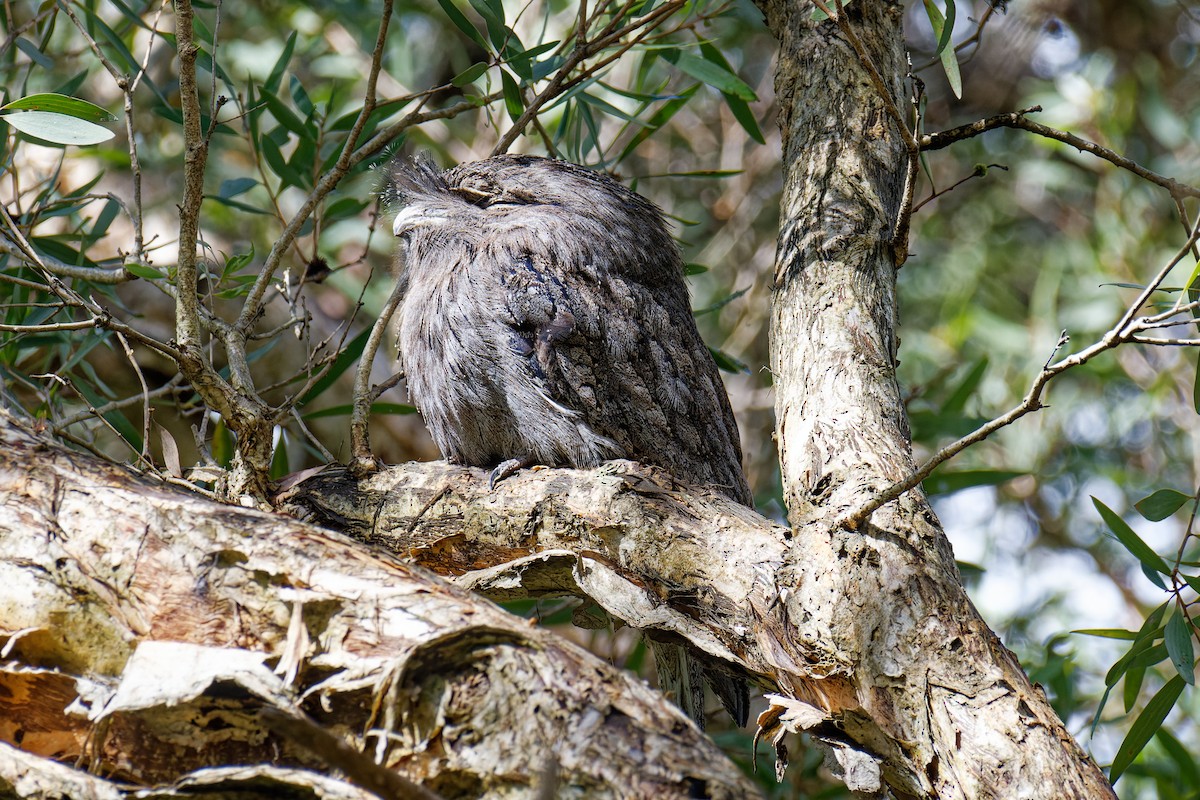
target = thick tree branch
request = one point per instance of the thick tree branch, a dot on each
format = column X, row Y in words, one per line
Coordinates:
column 153, row 611
column 930, row 699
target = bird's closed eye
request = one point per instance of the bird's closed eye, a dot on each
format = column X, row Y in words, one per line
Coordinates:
column 496, row 198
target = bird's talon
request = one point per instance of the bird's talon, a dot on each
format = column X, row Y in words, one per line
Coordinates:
column 504, row 470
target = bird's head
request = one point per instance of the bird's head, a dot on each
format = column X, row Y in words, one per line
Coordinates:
column 503, row 189
column 516, row 206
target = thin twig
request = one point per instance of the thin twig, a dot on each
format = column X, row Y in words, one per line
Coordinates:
column 974, row 38
column 145, row 396
column 115, row 405
column 1125, row 330
column 21, row 248
column 583, row 50
column 49, row 327
column 360, row 439
column 313, row 440
column 343, row 165
column 1165, row 342
column 1017, row 119
column 979, row 172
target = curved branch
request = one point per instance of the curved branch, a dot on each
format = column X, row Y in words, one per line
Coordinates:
column 1017, row 119
column 1127, row 329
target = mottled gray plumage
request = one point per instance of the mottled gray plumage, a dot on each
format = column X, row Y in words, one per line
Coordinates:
column 545, row 320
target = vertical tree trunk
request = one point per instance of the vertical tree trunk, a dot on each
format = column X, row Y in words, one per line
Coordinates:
column 916, row 678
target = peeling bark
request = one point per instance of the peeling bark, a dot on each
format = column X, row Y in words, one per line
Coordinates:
column 143, row 629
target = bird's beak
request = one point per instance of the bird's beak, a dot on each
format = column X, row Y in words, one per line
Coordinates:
column 411, row 217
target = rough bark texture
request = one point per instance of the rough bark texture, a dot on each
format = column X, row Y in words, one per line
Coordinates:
column 933, row 693
column 135, row 622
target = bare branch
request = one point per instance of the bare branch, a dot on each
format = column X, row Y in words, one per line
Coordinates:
column 50, row 327
column 1125, row 330
column 1017, row 119
column 168, row 387
column 145, row 397
column 1165, row 342
column 360, row 440
column 20, row 247
column 187, row 317
column 980, row 171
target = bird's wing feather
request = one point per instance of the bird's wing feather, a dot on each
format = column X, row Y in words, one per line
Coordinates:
column 628, row 359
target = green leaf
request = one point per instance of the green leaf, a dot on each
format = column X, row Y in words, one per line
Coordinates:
column 470, row 74
column 1130, row 540
column 141, row 271
column 103, row 220
column 284, row 115
column 237, row 262
column 235, row 186
column 270, row 146
column 1161, row 504
column 1189, row 770
column 225, row 201
column 957, row 401
column 1178, row 638
column 1148, row 634
column 745, row 117
column 607, row 108
column 1145, row 726
column 276, row 76
column 60, row 104
column 279, row 461
column 223, row 443
column 1107, row 633
column 56, row 247
column 37, row 56
column 491, row 10
column 300, row 97
column 1153, row 577
column 58, row 128
column 946, row 482
column 1148, row 657
column 343, row 362
column 343, row 208
column 521, row 60
column 724, row 301
column 463, row 24
column 1132, row 687
column 728, row 362
column 512, row 95
column 1196, row 387
column 659, row 118
column 737, row 105
column 713, row 74
column 694, row 269
column 943, row 29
